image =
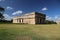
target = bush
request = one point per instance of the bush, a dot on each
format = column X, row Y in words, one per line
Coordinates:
column 5, row 21
column 50, row 22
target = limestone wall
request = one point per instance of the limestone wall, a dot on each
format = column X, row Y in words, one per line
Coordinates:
column 30, row 18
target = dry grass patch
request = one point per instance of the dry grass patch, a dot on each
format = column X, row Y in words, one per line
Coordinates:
column 23, row 38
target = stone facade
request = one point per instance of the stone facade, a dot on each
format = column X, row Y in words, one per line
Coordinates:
column 30, row 18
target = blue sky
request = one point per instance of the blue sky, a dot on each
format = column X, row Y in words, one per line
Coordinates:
column 17, row 7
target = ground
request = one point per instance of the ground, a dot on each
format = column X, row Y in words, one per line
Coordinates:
column 29, row 32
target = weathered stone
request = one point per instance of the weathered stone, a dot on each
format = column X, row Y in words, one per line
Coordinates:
column 30, row 18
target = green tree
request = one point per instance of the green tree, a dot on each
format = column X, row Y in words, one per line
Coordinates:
column 50, row 22
column 1, row 13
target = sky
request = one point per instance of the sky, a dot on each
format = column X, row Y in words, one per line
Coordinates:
column 18, row 7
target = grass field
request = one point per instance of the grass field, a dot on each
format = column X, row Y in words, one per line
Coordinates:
column 29, row 32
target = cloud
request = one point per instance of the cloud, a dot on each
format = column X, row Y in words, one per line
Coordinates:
column 2, row 0
column 57, row 18
column 44, row 9
column 9, row 8
column 7, row 17
column 48, row 18
column 17, row 12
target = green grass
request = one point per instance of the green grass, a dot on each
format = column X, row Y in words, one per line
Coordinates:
column 29, row 32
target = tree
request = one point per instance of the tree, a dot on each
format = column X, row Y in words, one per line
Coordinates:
column 1, row 13
column 50, row 22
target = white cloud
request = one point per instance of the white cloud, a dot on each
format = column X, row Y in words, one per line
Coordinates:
column 56, row 17
column 17, row 12
column 7, row 17
column 9, row 8
column 48, row 18
column 44, row 9
column 2, row 0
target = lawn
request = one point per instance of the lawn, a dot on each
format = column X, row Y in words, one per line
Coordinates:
column 29, row 32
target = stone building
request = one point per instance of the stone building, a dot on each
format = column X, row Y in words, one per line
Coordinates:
column 30, row 18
